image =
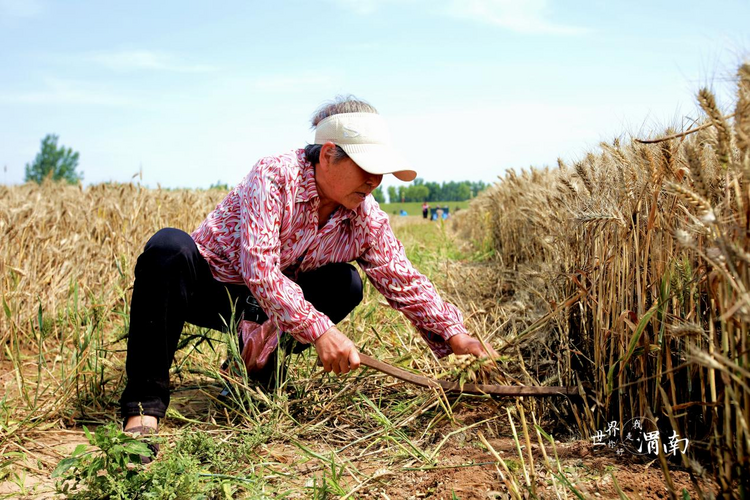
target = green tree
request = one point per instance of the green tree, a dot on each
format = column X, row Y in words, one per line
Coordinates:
column 434, row 188
column 477, row 187
column 463, row 191
column 392, row 194
column 378, row 194
column 418, row 192
column 58, row 163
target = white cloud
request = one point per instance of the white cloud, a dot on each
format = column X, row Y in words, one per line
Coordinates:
column 365, row 7
column 20, row 8
column 362, row 7
column 136, row 60
column 288, row 83
column 521, row 16
column 59, row 91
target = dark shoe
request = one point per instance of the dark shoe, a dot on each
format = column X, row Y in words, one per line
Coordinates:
column 143, row 431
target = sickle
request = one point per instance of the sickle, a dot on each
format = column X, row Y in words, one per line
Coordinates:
column 498, row 390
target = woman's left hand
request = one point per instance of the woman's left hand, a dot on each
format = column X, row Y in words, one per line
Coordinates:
column 465, row 344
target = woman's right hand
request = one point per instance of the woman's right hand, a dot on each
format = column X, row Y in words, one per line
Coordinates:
column 337, row 353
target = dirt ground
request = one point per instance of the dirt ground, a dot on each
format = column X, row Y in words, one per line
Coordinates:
column 463, row 468
column 590, row 474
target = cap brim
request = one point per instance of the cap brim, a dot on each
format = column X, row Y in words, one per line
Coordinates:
column 380, row 159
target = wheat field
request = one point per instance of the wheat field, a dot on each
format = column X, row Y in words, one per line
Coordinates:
column 625, row 275
column 646, row 243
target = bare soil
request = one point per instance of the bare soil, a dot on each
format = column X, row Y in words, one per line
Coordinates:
column 463, row 468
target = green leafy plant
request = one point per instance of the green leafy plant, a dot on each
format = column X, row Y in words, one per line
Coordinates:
column 9, row 474
column 109, row 467
column 195, row 467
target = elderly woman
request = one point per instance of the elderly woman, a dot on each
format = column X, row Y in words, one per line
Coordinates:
column 277, row 249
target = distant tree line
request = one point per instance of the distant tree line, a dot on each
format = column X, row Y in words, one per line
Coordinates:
column 220, row 185
column 420, row 190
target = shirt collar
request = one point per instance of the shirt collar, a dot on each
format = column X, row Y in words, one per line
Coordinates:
column 342, row 213
column 307, row 188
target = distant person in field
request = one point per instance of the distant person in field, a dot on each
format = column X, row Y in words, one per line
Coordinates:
column 279, row 245
column 425, row 210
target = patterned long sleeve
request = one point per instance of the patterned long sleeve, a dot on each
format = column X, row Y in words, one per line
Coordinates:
column 410, row 292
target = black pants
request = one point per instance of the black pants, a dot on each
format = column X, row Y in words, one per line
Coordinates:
column 174, row 285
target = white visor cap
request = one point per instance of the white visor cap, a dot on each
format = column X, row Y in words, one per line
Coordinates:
column 365, row 138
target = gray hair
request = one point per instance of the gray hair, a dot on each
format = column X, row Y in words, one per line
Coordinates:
column 339, row 104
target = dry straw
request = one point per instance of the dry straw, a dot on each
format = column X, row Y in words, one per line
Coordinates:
column 660, row 262
column 66, row 267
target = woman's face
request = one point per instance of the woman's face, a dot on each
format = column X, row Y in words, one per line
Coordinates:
column 343, row 182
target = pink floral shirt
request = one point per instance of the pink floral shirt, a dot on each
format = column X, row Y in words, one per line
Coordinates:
column 266, row 231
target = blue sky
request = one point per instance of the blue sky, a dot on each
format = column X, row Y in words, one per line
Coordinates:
column 191, row 93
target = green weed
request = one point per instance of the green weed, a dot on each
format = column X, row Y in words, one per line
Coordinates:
column 196, row 467
column 106, row 470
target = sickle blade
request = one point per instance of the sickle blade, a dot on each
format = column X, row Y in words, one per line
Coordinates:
column 498, row 390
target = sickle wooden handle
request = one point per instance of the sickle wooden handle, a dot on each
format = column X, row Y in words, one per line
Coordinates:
column 499, row 390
